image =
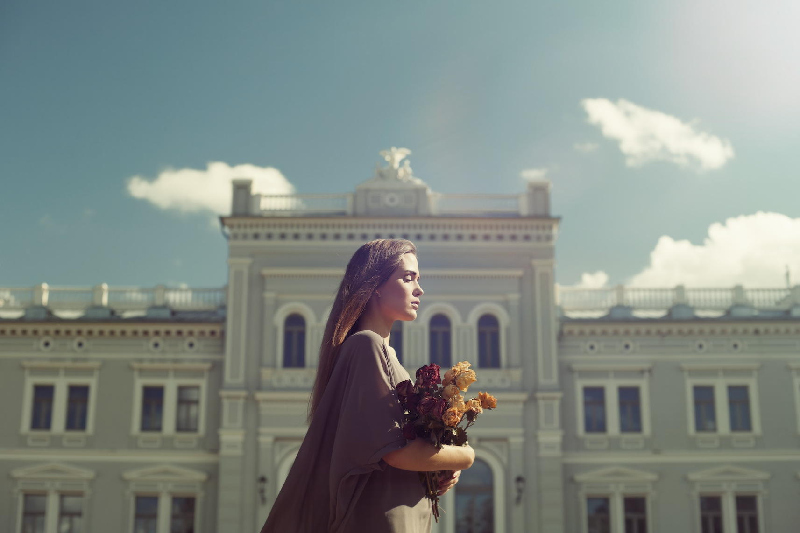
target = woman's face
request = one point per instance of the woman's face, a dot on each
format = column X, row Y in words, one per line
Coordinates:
column 399, row 295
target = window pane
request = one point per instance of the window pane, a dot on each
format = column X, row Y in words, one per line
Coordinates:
column 440, row 341
column 739, row 407
column 710, row 514
column 294, row 341
column 152, row 408
column 475, row 499
column 70, row 516
column 630, row 411
column 635, row 514
column 594, row 409
column 597, row 515
column 747, row 514
column 396, row 339
column 488, row 342
column 33, row 513
column 182, row 519
column 188, row 410
column 77, row 407
column 705, row 418
column 42, row 406
column 146, row 519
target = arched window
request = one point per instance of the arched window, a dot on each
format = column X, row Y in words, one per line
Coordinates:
column 294, row 341
column 396, row 339
column 488, row 342
column 475, row 499
column 440, row 341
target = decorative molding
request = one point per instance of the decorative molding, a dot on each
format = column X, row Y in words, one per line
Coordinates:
column 60, row 365
column 168, row 473
column 52, row 471
column 184, row 367
column 616, row 474
column 721, row 327
column 729, row 473
column 117, row 331
column 700, row 367
column 611, row 367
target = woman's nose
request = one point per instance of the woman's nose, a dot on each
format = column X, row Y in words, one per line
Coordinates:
column 418, row 291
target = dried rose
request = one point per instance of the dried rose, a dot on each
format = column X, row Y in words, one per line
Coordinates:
column 428, row 376
column 409, row 431
column 404, row 390
column 487, row 400
column 465, row 379
column 451, row 417
column 475, row 405
column 427, row 404
column 449, row 391
column 449, row 377
column 439, row 408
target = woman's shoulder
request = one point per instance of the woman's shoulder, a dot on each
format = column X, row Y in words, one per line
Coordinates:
column 364, row 339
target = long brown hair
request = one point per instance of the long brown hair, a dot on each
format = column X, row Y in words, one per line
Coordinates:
column 371, row 265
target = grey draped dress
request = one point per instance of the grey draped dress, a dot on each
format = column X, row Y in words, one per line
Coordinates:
column 339, row 482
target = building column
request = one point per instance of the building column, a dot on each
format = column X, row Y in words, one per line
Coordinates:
column 232, row 482
column 545, row 324
column 550, row 481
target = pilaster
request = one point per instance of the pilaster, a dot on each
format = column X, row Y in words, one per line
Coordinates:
column 545, row 324
column 236, row 332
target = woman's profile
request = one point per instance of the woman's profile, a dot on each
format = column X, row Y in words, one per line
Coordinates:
column 355, row 471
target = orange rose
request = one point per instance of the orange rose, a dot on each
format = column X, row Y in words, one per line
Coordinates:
column 449, row 377
column 457, row 402
column 465, row 379
column 449, row 391
column 451, row 417
column 487, row 400
column 475, row 405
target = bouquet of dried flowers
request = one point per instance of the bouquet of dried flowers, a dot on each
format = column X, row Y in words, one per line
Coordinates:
column 435, row 409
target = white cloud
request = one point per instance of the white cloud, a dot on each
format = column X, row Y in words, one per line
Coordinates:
column 594, row 280
column 190, row 190
column 646, row 135
column 534, row 174
column 586, row 148
column 752, row 250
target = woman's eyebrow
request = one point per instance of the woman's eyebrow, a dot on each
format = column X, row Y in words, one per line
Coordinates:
column 411, row 272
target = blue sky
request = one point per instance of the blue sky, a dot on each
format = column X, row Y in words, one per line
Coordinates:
column 669, row 130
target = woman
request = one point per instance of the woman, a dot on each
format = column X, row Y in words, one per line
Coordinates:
column 354, row 470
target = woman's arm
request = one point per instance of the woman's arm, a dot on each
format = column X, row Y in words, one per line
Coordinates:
column 422, row 456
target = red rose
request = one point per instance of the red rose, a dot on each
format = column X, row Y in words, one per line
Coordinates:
column 426, row 405
column 428, row 376
column 439, row 408
column 404, row 390
column 409, row 432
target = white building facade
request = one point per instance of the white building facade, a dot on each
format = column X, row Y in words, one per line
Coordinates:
column 620, row 410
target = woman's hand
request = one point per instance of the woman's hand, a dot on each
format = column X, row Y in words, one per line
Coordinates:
column 448, row 480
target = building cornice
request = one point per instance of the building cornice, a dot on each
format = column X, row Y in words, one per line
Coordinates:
column 719, row 328
column 427, row 273
column 444, row 231
column 94, row 330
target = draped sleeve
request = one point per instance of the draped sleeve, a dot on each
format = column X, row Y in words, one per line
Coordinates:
column 358, row 421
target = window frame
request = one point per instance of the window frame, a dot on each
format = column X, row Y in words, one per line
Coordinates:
column 59, row 375
column 616, row 484
column 165, row 482
column 313, row 335
column 52, row 480
column 727, row 482
column 608, row 379
column 170, row 383
column 715, row 376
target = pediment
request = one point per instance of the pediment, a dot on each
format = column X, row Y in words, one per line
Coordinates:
column 164, row 473
column 729, row 473
column 52, row 471
column 616, row 474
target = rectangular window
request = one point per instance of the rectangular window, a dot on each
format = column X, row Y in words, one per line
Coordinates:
column 188, row 411
column 34, row 507
column 705, row 417
column 70, row 514
column 77, row 407
column 182, row 519
column 152, row 408
column 630, row 410
column 635, row 514
column 146, row 517
column 42, row 406
column 710, row 514
column 597, row 515
column 594, row 410
column 746, row 514
column 739, row 407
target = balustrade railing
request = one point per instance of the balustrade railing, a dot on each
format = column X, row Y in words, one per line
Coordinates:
column 305, row 204
column 120, row 299
column 476, row 204
column 579, row 299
